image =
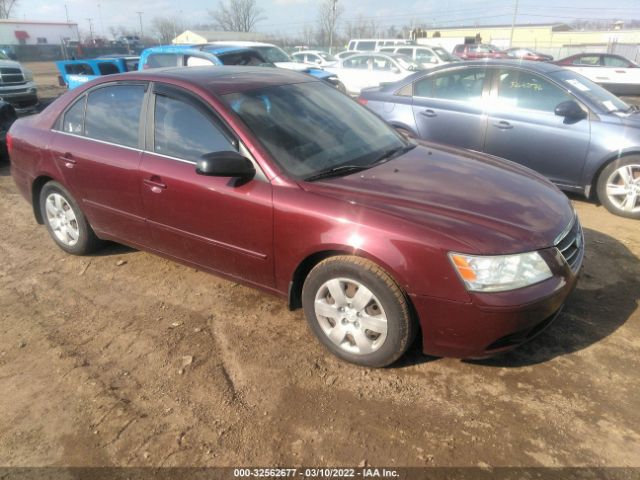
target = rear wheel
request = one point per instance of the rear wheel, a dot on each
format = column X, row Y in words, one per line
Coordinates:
column 619, row 187
column 65, row 221
column 357, row 311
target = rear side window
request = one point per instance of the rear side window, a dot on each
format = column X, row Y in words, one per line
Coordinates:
column 459, row 85
column 79, row 69
column 405, row 51
column 183, row 131
column 73, row 120
column 108, row 68
column 113, row 114
column 361, row 62
column 160, row 60
column 615, row 62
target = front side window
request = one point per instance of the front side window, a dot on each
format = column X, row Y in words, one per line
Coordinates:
column 108, row 68
column 587, row 60
column 461, row 85
column 113, row 114
column 183, row 131
column 311, row 127
column 79, row 69
column 522, row 89
column 366, row 46
column 405, row 51
column 383, row 64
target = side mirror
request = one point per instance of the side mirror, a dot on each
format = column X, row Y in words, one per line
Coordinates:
column 570, row 110
column 225, row 164
column 318, row 61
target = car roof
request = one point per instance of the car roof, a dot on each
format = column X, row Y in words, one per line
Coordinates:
column 242, row 43
column 541, row 67
column 219, row 80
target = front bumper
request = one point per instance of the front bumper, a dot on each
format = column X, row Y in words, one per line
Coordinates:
column 22, row 97
column 493, row 323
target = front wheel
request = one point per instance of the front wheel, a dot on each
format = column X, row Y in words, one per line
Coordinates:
column 358, row 311
column 619, row 187
column 65, row 221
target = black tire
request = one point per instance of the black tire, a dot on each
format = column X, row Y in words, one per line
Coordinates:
column 609, row 173
column 401, row 326
column 341, row 88
column 87, row 241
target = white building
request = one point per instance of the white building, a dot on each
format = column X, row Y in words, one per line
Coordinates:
column 25, row 32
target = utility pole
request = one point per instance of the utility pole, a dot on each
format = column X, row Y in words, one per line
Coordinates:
column 141, row 31
column 333, row 25
column 90, row 30
column 66, row 11
column 100, row 19
column 513, row 23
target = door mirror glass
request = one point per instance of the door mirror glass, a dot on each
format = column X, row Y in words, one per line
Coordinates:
column 225, row 164
column 570, row 109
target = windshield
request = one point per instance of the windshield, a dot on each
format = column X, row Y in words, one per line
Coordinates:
column 273, row 54
column 598, row 95
column 3, row 56
column 444, row 55
column 407, row 63
column 311, row 127
column 327, row 57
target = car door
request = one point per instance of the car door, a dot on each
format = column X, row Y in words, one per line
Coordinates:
column 448, row 107
column 524, row 128
column 213, row 222
column 98, row 147
column 620, row 70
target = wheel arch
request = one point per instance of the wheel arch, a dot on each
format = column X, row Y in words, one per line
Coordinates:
column 36, row 188
column 310, row 261
column 592, row 185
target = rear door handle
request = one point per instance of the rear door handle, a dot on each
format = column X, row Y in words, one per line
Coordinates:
column 156, row 185
column 502, row 125
column 428, row 113
column 67, row 159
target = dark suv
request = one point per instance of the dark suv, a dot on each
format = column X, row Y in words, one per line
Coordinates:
column 472, row 51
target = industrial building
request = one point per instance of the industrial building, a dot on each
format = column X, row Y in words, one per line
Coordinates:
column 26, row 32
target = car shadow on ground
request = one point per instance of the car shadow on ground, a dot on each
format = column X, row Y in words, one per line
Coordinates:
column 112, row 249
column 607, row 294
column 4, row 168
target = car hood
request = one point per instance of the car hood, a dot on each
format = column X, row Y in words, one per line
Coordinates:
column 10, row 64
column 483, row 204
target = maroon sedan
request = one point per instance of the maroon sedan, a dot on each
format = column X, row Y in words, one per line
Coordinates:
column 276, row 180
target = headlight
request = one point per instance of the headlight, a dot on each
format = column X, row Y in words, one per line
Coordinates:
column 28, row 74
column 500, row 273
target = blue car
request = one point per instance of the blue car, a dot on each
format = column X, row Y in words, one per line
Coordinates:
column 552, row 120
column 228, row 54
column 74, row 73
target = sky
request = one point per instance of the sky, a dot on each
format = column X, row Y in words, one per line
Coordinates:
column 289, row 17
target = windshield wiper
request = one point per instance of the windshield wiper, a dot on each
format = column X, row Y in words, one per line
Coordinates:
column 337, row 172
column 393, row 153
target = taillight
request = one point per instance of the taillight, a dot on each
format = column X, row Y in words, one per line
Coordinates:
column 363, row 101
column 9, row 142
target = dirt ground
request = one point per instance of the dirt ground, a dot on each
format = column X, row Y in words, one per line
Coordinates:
column 124, row 358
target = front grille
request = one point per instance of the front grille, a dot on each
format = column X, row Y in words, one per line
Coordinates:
column 11, row 76
column 571, row 244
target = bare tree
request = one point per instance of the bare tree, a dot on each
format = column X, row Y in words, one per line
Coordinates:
column 329, row 13
column 166, row 29
column 362, row 28
column 6, row 6
column 237, row 15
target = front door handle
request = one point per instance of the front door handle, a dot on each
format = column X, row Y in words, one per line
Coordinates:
column 155, row 184
column 428, row 113
column 68, row 160
column 502, row 125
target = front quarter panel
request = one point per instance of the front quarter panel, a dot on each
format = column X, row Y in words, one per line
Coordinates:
column 307, row 223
